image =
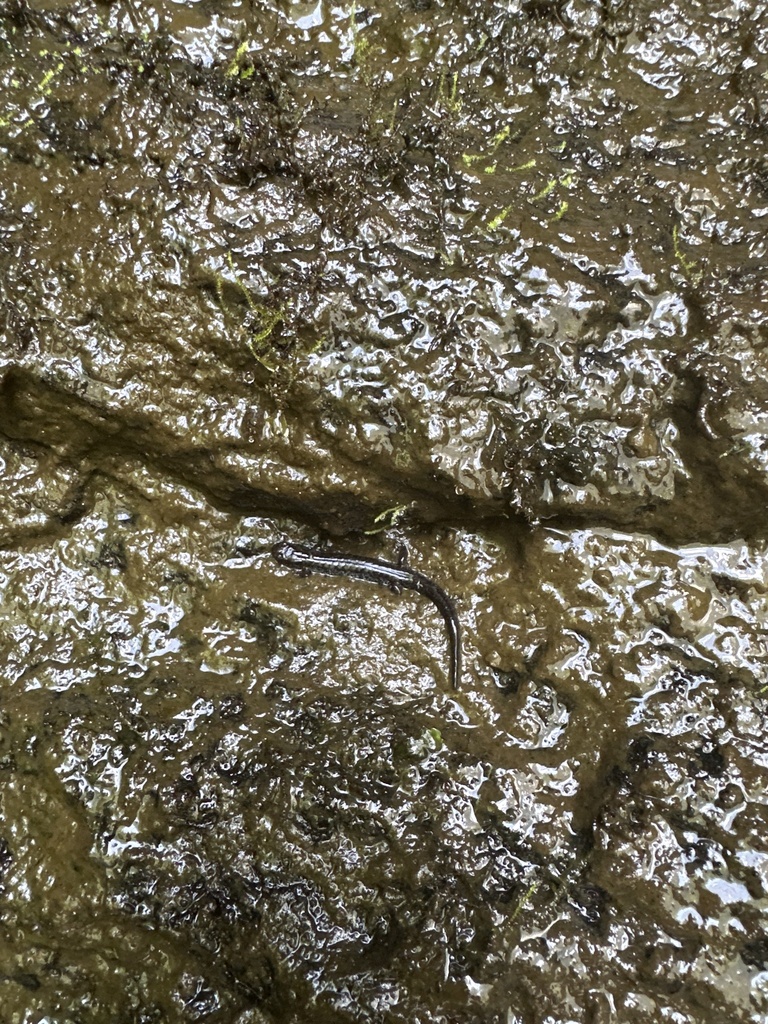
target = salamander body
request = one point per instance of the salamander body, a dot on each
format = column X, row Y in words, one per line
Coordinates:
column 375, row 570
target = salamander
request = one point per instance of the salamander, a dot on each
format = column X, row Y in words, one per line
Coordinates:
column 375, row 570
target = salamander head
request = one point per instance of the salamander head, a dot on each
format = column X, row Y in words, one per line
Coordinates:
column 293, row 555
column 284, row 552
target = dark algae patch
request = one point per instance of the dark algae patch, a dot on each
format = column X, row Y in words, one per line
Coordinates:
column 483, row 283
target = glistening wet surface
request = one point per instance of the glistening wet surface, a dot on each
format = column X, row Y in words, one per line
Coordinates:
column 482, row 284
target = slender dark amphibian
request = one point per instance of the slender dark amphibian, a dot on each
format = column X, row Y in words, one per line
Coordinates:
column 374, row 570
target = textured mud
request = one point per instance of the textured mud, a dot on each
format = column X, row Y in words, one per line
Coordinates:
column 483, row 281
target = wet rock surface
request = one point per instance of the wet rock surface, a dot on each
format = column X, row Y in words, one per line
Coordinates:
column 480, row 281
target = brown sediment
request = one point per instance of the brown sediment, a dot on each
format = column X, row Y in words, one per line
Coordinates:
column 487, row 279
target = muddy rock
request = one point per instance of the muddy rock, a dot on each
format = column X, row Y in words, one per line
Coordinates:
column 471, row 288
